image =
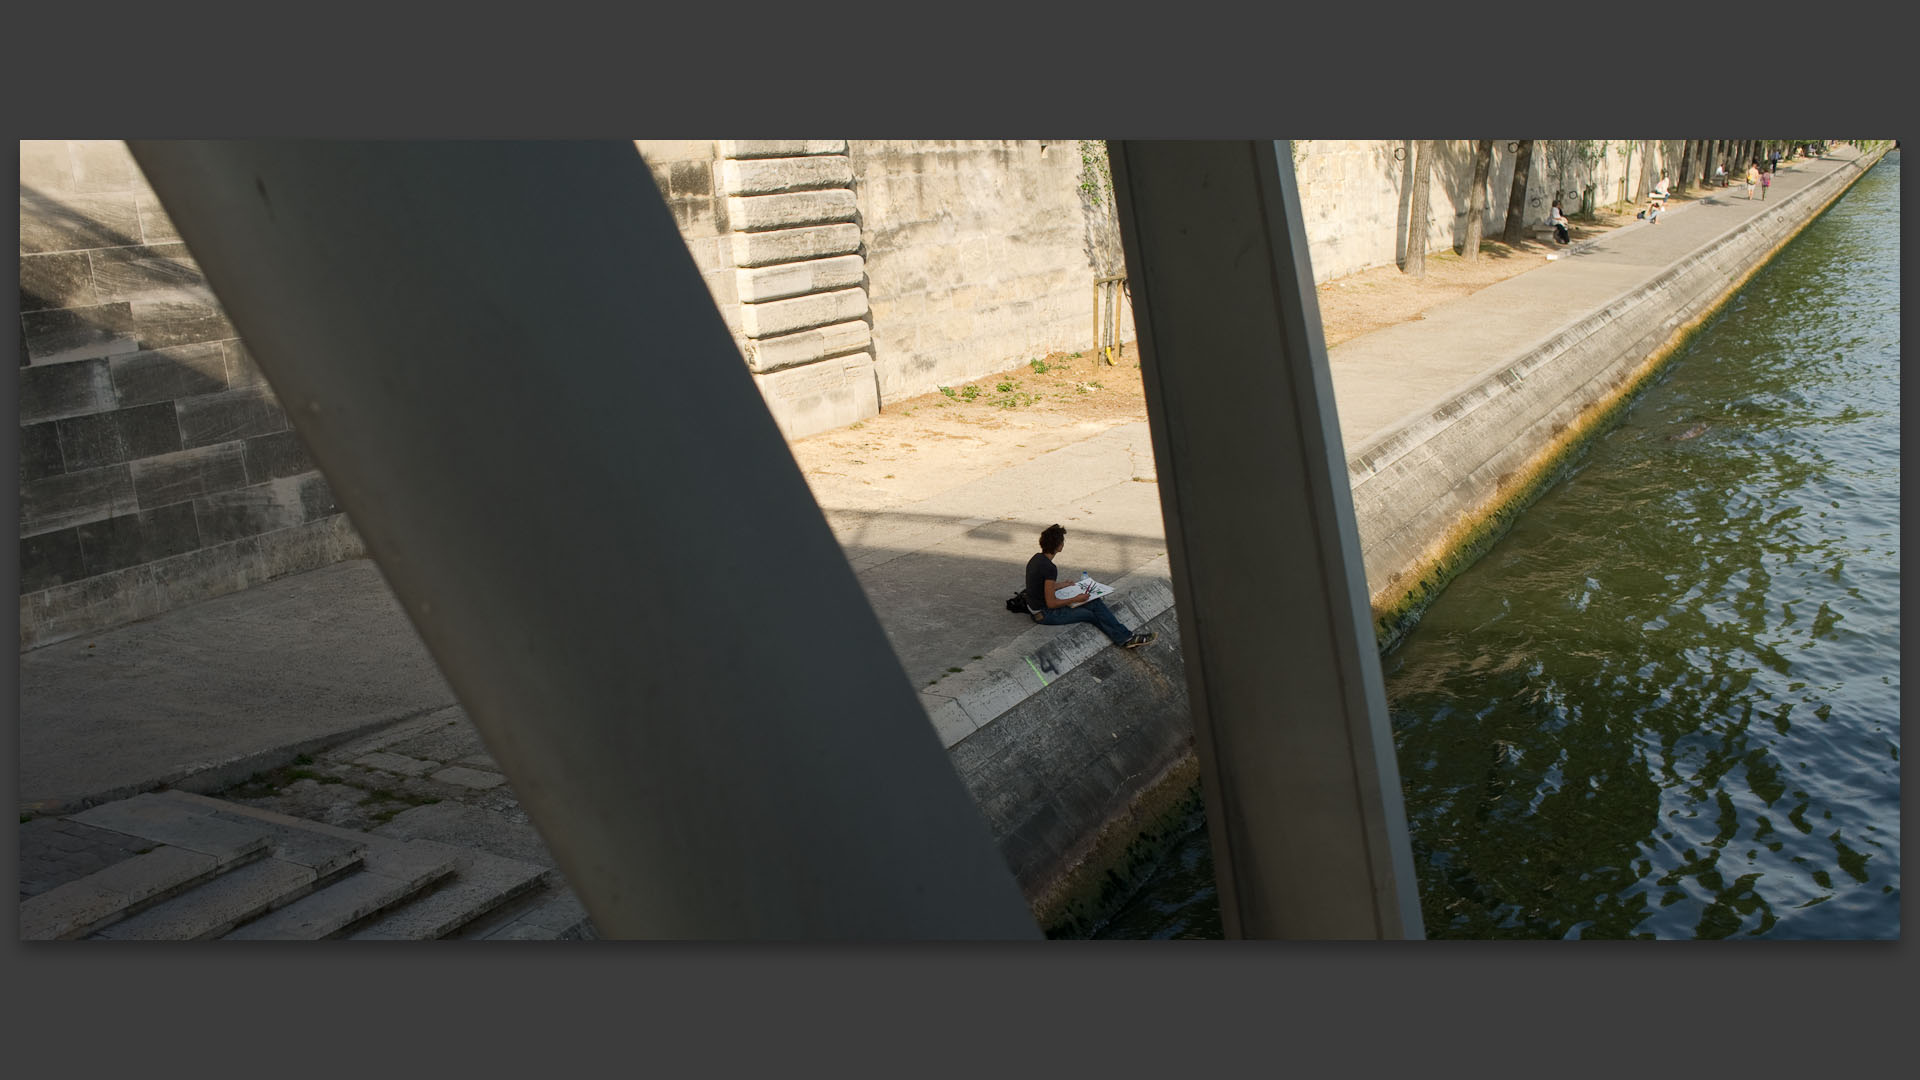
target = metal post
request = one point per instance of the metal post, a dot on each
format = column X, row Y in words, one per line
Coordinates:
column 1302, row 791
column 504, row 361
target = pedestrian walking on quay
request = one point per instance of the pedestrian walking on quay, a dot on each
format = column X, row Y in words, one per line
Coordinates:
column 1766, row 181
column 1753, row 177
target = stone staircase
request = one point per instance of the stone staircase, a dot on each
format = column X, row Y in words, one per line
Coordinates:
column 174, row 866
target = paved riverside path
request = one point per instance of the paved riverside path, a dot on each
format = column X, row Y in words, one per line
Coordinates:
column 249, row 680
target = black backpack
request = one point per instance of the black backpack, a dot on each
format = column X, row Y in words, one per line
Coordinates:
column 1017, row 603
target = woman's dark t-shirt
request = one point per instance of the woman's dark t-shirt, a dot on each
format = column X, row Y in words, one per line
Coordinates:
column 1040, row 570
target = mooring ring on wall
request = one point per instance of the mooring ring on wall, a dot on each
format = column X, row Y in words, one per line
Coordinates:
column 1399, row 153
column 1513, row 148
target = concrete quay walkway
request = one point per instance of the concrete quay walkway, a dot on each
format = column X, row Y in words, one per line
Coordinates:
column 204, row 696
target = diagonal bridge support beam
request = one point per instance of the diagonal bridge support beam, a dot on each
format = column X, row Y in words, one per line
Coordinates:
column 507, row 367
column 1302, row 792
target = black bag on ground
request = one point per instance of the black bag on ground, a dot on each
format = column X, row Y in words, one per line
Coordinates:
column 1017, row 603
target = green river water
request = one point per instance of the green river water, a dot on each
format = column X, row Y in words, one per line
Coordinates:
column 1666, row 703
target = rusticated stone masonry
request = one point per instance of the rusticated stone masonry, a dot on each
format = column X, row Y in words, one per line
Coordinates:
column 801, row 280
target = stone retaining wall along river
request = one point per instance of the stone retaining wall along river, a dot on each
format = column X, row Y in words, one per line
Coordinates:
column 1432, row 493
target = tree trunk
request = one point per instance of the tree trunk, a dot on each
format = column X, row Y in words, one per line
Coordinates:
column 1482, row 163
column 1646, row 171
column 1417, row 217
column 1516, row 226
column 1686, row 164
column 1706, row 161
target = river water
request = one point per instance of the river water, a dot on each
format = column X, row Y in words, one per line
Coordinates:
column 1666, row 703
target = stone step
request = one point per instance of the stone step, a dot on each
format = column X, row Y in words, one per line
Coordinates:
column 171, row 822
column 80, row 907
column 550, row 914
column 390, row 873
column 481, row 883
column 188, row 847
column 219, row 905
column 316, row 881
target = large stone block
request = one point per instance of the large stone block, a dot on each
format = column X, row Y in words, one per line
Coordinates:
column 50, row 559
column 768, row 176
column 174, row 478
column 241, row 368
column 259, row 508
column 121, row 435
column 159, row 324
column 767, row 148
column 272, row 456
column 75, row 498
column 40, row 452
column 53, row 391
column 762, row 283
column 755, row 213
column 167, row 374
column 790, row 245
column 132, row 539
column 61, row 222
column 316, row 497
column 157, row 272
column 59, row 280
column 155, row 226
column 230, row 415
column 777, row 317
column 101, row 165
column 821, row 396
column 70, row 334
column 45, row 166
column 773, row 354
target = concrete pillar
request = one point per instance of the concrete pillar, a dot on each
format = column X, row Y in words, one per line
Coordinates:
column 1289, row 709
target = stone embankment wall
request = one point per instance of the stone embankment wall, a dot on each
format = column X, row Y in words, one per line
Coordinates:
column 1431, row 493
column 156, row 467
column 1357, row 196
column 980, row 255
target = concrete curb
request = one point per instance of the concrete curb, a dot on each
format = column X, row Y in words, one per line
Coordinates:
column 966, row 702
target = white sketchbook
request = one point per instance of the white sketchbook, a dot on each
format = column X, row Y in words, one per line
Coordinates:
column 1073, row 591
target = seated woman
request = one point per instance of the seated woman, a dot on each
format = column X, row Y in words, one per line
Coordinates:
column 1044, row 585
column 1559, row 222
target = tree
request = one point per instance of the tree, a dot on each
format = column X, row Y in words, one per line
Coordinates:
column 1482, row 164
column 1646, row 171
column 1562, row 156
column 1687, row 158
column 1516, row 226
column 1417, row 219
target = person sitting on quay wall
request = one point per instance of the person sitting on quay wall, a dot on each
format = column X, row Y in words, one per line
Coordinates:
column 1043, row 585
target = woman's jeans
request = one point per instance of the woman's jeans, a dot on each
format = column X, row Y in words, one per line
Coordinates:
column 1093, row 611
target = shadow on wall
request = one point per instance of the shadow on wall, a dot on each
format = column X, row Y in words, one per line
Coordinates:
column 39, row 207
